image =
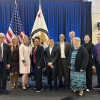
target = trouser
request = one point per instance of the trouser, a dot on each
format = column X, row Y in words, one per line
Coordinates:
column 98, row 72
column 63, row 69
column 52, row 74
column 89, row 76
column 3, row 76
column 38, row 78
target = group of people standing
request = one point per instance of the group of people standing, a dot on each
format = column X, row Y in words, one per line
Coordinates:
column 71, row 59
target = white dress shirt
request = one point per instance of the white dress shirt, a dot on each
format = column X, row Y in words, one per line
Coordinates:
column 2, row 49
column 50, row 50
column 62, row 48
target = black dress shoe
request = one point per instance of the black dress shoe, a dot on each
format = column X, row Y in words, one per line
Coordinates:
column 0, row 92
column 49, row 89
column 5, row 92
column 96, row 87
column 99, row 92
column 60, row 86
column 54, row 90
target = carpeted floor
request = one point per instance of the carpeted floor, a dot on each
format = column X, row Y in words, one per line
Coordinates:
column 30, row 94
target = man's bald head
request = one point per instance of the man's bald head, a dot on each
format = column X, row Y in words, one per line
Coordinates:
column 61, row 37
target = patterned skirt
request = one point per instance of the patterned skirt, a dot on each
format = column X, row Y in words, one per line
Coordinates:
column 77, row 80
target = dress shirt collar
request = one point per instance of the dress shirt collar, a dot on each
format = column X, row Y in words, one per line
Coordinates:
column 51, row 46
column 1, row 44
column 61, row 42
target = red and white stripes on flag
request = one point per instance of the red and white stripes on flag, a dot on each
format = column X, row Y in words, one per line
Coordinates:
column 20, row 36
column 15, row 28
column 9, row 36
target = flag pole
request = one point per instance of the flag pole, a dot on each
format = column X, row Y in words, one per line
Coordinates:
column 39, row 3
column 15, row 3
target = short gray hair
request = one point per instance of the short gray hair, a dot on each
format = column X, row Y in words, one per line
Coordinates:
column 72, row 32
column 77, row 38
column 2, row 34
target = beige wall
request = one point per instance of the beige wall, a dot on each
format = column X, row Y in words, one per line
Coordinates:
column 95, row 19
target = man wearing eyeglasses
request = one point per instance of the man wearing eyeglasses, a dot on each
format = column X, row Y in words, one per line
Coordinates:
column 4, row 64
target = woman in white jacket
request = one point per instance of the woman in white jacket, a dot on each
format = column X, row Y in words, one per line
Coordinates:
column 24, row 57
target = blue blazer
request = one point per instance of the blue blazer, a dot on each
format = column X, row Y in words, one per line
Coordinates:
column 95, row 52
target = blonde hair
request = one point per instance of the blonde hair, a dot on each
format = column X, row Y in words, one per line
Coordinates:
column 12, row 45
column 23, row 38
column 13, row 38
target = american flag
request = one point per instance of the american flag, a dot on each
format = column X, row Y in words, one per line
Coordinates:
column 15, row 28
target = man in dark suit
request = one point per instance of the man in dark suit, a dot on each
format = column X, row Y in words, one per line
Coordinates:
column 96, row 58
column 51, row 56
column 63, row 60
column 90, row 48
column 71, row 35
column 4, row 63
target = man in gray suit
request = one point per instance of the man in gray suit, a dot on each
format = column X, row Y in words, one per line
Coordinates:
column 63, row 60
column 4, row 63
column 71, row 35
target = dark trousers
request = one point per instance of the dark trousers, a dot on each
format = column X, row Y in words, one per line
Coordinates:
column 52, row 73
column 38, row 78
column 98, row 72
column 63, row 69
column 89, row 76
column 3, row 76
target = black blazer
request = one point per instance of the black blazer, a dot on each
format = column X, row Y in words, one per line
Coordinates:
column 54, row 55
column 81, row 60
column 39, row 56
column 6, row 54
column 90, row 48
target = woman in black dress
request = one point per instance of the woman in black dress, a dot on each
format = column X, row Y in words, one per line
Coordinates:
column 14, row 69
column 37, row 61
column 90, row 48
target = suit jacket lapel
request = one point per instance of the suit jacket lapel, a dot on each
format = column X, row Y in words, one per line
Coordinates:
column 37, row 48
column 3, row 49
column 59, row 46
column 48, row 51
column 96, row 49
column 65, row 47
